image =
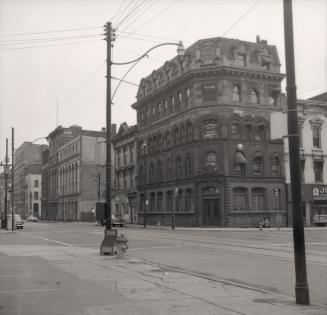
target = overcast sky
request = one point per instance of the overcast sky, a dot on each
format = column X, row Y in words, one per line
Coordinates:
column 71, row 69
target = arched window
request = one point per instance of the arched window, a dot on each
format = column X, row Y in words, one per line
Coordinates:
column 189, row 132
column 169, row 171
column 254, row 97
column 240, row 199
column 141, row 175
column 180, row 201
column 154, row 144
column 152, row 173
column 176, row 136
column 211, row 159
column 261, row 132
column 248, row 131
column 236, row 94
column 159, row 201
column 235, row 130
column 258, row 199
column 183, row 134
column 152, row 202
column 275, row 165
column 188, row 165
column 159, row 171
column 189, row 204
column 257, row 164
column 169, row 201
column 178, row 167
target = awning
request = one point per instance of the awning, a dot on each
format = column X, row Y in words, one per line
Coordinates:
column 240, row 158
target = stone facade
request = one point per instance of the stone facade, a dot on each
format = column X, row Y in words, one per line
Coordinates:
column 124, row 190
column 204, row 148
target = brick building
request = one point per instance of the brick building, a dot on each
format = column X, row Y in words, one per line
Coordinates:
column 76, row 172
column 28, row 179
column 124, row 190
column 204, row 145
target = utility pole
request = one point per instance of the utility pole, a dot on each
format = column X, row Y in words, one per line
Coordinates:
column 109, row 234
column 108, row 134
column 301, row 286
column 6, row 185
column 12, row 179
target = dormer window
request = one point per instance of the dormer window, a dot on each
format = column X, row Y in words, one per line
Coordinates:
column 254, row 97
column 236, row 94
column 241, row 60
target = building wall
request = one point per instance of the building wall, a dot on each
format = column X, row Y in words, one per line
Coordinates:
column 124, row 190
column 194, row 112
column 311, row 113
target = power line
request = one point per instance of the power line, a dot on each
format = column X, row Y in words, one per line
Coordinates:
column 119, row 17
column 42, row 40
column 63, row 44
column 131, row 83
column 240, row 18
column 130, row 13
column 150, row 36
column 53, row 31
column 117, row 11
column 142, row 12
column 160, row 13
column 84, row 81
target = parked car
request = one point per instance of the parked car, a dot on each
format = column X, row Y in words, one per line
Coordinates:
column 19, row 222
column 118, row 220
column 32, row 218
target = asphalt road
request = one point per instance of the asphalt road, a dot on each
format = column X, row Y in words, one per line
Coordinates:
column 261, row 260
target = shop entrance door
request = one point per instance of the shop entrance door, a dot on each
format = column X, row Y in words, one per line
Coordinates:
column 211, row 212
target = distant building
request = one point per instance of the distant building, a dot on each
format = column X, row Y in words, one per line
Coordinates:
column 204, row 146
column 28, row 179
column 124, row 193
column 45, row 185
column 76, row 172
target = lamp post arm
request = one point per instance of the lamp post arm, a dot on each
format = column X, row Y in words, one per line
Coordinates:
column 137, row 59
column 124, row 76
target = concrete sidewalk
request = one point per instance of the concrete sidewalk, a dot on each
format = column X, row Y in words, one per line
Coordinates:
column 138, row 287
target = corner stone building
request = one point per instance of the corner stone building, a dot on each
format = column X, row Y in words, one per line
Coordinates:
column 204, row 147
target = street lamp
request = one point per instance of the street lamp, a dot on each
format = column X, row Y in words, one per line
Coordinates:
column 109, row 239
column 144, row 145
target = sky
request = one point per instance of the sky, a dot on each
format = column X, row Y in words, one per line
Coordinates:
column 63, row 82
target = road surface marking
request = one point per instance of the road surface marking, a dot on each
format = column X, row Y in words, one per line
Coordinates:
column 47, row 239
column 27, row 291
column 155, row 247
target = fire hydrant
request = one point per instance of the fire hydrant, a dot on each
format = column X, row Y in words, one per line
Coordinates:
column 121, row 243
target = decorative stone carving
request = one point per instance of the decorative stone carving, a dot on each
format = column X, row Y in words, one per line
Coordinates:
column 208, row 52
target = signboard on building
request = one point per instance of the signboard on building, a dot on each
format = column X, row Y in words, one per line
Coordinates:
column 319, row 191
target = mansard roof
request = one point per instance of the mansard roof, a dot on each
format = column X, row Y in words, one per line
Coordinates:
column 206, row 54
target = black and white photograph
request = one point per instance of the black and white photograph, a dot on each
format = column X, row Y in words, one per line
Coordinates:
column 163, row 157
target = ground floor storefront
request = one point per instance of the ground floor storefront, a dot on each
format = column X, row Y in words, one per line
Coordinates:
column 214, row 201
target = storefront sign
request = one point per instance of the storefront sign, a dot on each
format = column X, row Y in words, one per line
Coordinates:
column 319, row 191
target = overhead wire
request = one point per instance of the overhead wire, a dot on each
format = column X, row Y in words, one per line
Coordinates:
column 61, row 44
column 123, row 11
column 52, row 31
column 117, row 11
column 241, row 18
column 139, row 14
column 132, row 11
column 42, row 40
